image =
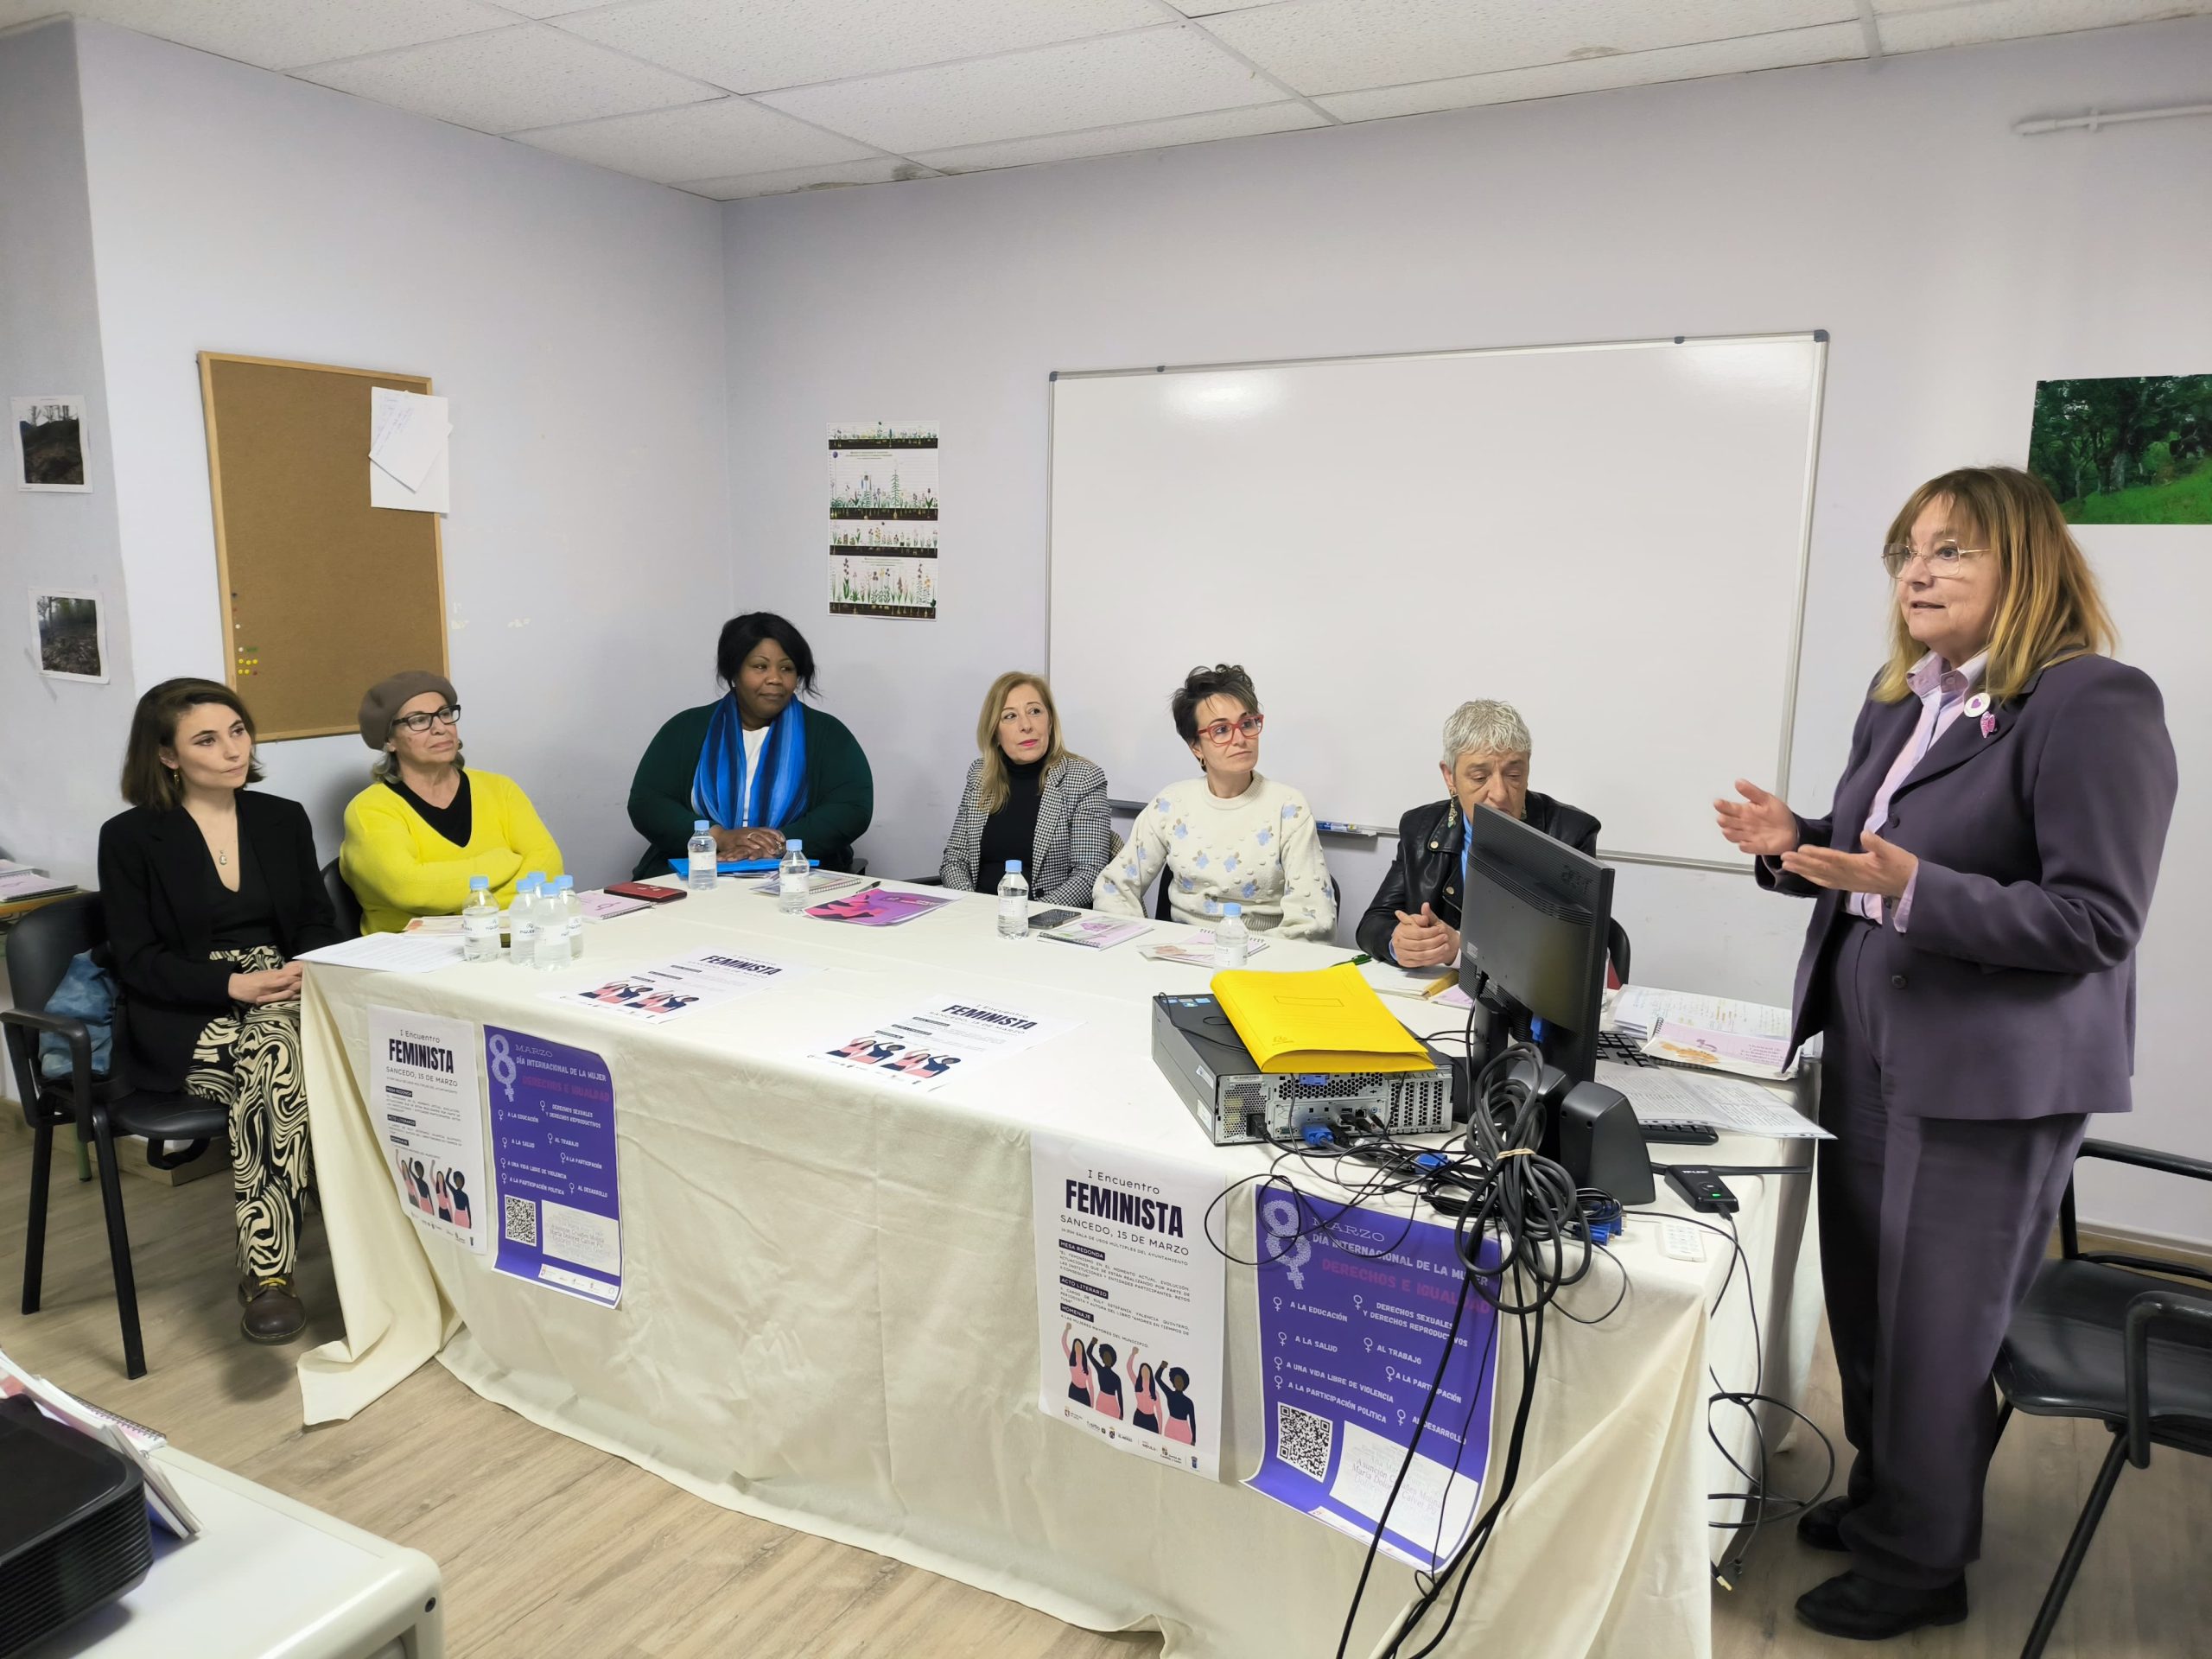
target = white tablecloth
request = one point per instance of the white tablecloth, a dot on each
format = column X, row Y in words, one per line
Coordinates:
column 828, row 1317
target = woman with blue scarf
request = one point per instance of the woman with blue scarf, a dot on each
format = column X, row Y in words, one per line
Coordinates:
column 759, row 766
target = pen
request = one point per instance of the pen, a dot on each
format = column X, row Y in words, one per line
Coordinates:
column 1355, row 960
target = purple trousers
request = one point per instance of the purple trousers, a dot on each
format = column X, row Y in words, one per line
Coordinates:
column 1931, row 1231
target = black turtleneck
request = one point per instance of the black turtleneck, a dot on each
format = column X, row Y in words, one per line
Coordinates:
column 1011, row 832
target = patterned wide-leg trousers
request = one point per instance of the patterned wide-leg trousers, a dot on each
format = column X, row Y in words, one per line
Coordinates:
column 249, row 1060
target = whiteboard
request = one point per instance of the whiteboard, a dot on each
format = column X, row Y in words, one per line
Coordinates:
column 1612, row 539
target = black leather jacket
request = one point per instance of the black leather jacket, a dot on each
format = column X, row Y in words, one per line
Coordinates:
column 1426, row 869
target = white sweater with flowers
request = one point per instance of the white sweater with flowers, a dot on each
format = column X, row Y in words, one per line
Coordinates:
column 1259, row 850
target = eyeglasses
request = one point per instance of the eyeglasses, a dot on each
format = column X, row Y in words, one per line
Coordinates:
column 448, row 715
column 1218, row 734
column 1945, row 563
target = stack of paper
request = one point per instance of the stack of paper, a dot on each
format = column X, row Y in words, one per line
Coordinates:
column 1750, row 1038
column 1197, row 950
column 19, row 882
column 121, row 1435
column 1659, row 1094
column 1331, row 1021
column 1097, row 932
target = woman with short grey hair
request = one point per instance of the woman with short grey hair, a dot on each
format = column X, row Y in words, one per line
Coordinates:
column 1415, row 918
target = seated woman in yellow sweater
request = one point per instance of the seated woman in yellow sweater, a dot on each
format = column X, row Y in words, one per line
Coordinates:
column 415, row 836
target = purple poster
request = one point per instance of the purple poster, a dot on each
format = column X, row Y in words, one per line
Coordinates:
column 553, row 1159
column 1354, row 1306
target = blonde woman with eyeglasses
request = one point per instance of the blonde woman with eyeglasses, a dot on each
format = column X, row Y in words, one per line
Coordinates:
column 1228, row 835
column 426, row 824
column 1981, row 882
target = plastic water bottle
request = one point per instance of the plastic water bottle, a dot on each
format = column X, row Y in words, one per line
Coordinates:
column 523, row 920
column 557, row 913
column 700, row 874
column 1230, row 937
column 794, row 878
column 1014, row 902
column 480, row 922
column 572, row 910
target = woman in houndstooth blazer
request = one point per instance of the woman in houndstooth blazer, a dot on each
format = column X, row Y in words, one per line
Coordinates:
column 1029, row 798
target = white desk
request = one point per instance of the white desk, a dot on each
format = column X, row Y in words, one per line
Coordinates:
column 829, row 1316
column 266, row 1579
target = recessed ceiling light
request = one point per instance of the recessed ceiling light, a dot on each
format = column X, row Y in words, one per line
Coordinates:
column 1595, row 52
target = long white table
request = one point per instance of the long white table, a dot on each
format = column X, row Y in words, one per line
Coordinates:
column 829, row 1314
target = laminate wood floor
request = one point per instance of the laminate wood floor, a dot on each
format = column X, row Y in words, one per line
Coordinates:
column 552, row 1550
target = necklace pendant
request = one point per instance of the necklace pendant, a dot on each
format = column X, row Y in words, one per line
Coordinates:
column 223, row 859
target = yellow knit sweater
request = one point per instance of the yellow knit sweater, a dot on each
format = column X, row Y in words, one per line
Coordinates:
column 399, row 868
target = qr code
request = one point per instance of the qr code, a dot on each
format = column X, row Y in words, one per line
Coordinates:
column 1302, row 1440
column 522, row 1220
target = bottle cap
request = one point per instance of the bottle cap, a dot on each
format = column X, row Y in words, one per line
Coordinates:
column 564, row 883
column 794, row 845
column 1232, row 910
column 533, row 882
column 1014, row 867
column 698, row 826
column 479, row 883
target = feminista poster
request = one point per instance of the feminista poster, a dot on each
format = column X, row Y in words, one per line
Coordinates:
column 422, row 1080
column 1129, row 1300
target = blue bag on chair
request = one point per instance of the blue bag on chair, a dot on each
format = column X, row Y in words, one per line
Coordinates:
column 87, row 992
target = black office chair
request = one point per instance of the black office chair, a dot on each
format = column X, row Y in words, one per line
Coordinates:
column 343, row 904
column 39, row 952
column 2083, row 1345
column 1617, row 949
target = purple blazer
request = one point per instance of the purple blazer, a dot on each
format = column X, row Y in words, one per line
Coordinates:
column 2013, row 986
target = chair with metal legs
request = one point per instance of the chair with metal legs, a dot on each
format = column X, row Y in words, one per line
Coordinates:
column 2111, row 1337
column 39, row 949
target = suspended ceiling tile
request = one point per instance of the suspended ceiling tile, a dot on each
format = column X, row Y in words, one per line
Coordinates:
column 880, row 169
column 698, row 140
column 1796, row 46
column 551, row 8
column 1113, row 141
column 1113, row 82
column 284, row 34
column 1918, row 27
column 770, row 43
column 512, row 81
column 1335, row 46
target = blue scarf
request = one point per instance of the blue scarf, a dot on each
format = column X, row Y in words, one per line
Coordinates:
column 778, row 793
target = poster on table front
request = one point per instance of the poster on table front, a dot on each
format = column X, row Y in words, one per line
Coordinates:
column 1129, row 1300
column 1355, row 1307
column 423, row 1081
column 553, row 1153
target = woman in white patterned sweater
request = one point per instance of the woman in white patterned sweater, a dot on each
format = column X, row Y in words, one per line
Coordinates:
column 1229, row 837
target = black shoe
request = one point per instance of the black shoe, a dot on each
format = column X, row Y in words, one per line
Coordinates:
column 273, row 1312
column 1865, row 1610
column 1822, row 1526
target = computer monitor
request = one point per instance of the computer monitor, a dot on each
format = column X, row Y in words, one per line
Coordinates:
column 1533, row 923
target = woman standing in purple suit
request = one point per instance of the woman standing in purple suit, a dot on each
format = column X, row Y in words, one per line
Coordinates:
column 1981, row 882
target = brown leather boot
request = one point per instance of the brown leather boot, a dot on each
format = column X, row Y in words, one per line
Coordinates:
column 273, row 1312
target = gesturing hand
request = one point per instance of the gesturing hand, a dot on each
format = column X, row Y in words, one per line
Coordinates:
column 1760, row 824
column 1883, row 868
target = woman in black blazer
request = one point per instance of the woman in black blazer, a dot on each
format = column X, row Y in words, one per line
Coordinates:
column 210, row 890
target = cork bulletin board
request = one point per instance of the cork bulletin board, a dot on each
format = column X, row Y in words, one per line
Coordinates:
column 322, row 594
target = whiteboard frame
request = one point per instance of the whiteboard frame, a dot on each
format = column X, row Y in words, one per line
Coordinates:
column 1817, row 337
